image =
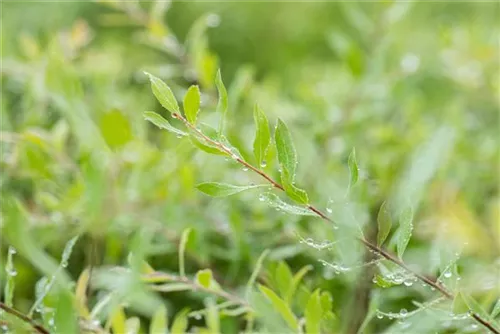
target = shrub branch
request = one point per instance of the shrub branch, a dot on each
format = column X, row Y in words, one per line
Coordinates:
column 38, row 328
column 387, row 255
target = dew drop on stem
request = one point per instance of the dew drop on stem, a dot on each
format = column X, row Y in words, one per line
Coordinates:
column 263, row 164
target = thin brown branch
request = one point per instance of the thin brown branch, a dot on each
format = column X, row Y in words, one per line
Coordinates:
column 390, row 257
column 197, row 287
column 38, row 328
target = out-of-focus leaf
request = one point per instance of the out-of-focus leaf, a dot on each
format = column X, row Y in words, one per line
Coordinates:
column 118, row 320
column 255, row 273
column 283, row 277
column 115, row 128
column 296, row 281
column 382, row 282
column 353, row 168
column 405, row 230
column 180, row 323
column 212, row 317
column 182, row 250
column 222, row 103
column 159, row 322
column 475, row 307
column 496, row 309
column 280, row 306
column 313, row 313
column 216, row 189
column 384, row 221
column 162, row 123
column 132, row 325
column 11, row 272
column 262, row 135
column 81, row 293
column 192, row 103
column 65, row 318
column 163, row 94
column 204, row 278
column 287, row 156
column 172, row 287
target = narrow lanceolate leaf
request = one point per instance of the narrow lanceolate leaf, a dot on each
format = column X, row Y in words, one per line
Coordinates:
column 205, row 147
column 275, row 202
column 162, row 123
column 10, row 270
column 496, row 309
column 262, row 135
column 287, row 156
column 405, row 230
column 353, row 169
column 313, row 313
column 204, row 278
column 384, row 221
column 475, row 307
column 222, row 103
column 291, row 190
column 180, row 323
column 163, row 94
column 192, row 103
column 216, row 189
column 182, row 250
column 280, row 306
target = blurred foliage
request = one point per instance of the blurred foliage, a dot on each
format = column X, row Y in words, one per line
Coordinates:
column 412, row 86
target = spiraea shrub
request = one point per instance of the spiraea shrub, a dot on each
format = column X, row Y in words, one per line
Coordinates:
column 249, row 168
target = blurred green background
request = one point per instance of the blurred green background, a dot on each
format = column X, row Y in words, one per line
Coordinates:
column 414, row 87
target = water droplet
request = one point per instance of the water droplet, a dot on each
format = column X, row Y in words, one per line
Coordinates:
column 64, row 264
column 179, row 136
column 12, row 250
column 245, row 169
column 380, row 315
column 262, row 198
column 213, row 20
column 447, row 274
column 50, row 322
column 459, row 278
column 329, row 210
column 197, row 316
column 263, row 164
column 252, row 184
column 433, row 288
column 408, row 283
column 403, row 312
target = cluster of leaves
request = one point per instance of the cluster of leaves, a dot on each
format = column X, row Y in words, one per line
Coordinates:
column 77, row 158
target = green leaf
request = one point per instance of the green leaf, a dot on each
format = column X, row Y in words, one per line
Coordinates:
column 180, row 323
column 281, row 306
column 115, row 128
column 163, row 94
column 162, row 123
column 68, row 249
column 262, row 135
column 297, row 194
column 205, row 146
column 275, row 202
column 287, row 156
column 295, row 282
column 216, row 189
column 65, row 314
column 10, row 270
column 255, row 273
column 475, row 307
column 204, row 278
column 384, row 222
column 132, row 325
column 382, row 282
column 182, row 250
column 326, row 301
column 313, row 313
column 405, row 230
column 283, row 278
column 496, row 309
column 353, row 168
column 222, row 103
column 192, row 103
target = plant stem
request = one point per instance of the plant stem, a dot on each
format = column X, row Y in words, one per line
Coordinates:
column 197, row 287
column 390, row 257
column 38, row 328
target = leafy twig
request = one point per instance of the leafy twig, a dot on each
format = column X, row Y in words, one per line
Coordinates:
column 38, row 328
column 390, row 257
